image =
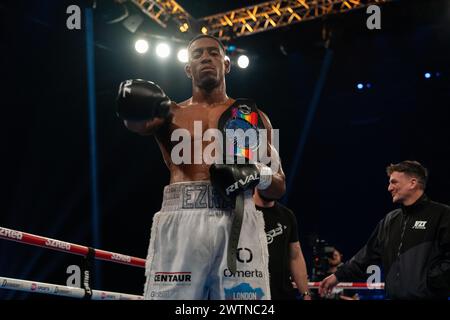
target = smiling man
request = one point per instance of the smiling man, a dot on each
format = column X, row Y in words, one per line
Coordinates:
column 208, row 239
column 412, row 243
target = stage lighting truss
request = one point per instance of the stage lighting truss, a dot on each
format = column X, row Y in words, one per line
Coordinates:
column 162, row 11
column 249, row 20
column 276, row 14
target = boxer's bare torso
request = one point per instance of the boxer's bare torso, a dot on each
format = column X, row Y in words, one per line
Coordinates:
column 207, row 68
column 184, row 115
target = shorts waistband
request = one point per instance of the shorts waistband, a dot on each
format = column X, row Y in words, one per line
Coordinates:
column 193, row 195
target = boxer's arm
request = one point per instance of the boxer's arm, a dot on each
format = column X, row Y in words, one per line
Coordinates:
column 278, row 186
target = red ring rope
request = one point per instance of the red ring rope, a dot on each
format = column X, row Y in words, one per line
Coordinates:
column 52, row 244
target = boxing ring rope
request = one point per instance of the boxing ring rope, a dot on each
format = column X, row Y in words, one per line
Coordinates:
column 352, row 285
column 64, row 291
column 75, row 249
column 71, row 248
column 52, row 244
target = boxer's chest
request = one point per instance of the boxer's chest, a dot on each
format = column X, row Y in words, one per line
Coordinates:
column 198, row 119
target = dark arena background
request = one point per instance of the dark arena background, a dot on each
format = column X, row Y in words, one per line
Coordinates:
column 347, row 100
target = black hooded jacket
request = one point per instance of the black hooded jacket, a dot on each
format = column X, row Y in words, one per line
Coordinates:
column 412, row 244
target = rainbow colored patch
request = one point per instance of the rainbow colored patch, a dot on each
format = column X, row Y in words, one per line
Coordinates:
column 251, row 118
column 241, row 152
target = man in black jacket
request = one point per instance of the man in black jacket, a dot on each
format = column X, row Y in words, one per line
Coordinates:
column 412, row 243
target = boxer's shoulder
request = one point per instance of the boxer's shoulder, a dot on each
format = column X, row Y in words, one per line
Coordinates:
column 221, row 107
column 184, row 104
column 181, row 110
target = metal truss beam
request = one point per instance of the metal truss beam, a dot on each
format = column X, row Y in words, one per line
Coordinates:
column 248, row 20
column 275, row 14
column 161, row 11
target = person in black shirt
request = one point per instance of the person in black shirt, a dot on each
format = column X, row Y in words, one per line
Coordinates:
column 285, row 254
column 412, row 243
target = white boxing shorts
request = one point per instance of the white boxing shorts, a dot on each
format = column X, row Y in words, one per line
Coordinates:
column 187, row 256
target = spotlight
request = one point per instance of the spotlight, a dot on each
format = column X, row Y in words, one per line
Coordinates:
column 182, row 55
column 368, row 85
column 360, row 86
column 243, row 61
column 141, row 46
column 163, row 50
column 184, row 27
column 427, row 75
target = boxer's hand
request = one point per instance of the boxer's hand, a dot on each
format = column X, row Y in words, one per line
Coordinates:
column 139, row 101
column 148, row 127
column 231, row 179
column 327, row 285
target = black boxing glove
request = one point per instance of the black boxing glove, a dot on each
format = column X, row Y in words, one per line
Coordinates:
column 232, row 179
column 140, row 100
